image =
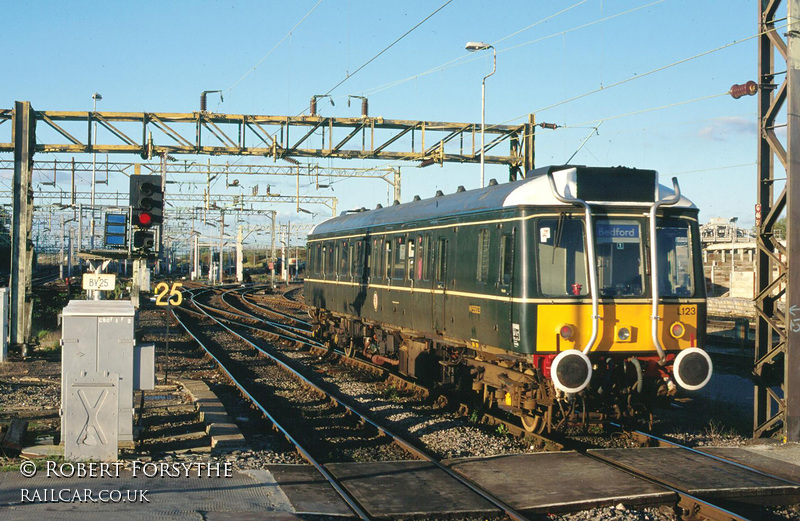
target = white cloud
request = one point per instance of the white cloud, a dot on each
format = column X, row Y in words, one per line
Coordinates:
column 722, row 129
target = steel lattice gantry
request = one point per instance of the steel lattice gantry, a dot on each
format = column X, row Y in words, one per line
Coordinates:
column 280, row 137
column 308, row 171
column 206, row 133
column 218, row 201
column 777, row 355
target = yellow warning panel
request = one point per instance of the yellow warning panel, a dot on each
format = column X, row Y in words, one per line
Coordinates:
column 622, row 327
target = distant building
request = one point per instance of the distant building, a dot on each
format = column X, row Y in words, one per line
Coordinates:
column 720, row 229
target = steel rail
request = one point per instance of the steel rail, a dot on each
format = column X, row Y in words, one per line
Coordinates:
column 250, row 299
column 692, row 503
column 486, row 418
column 664, row 441
column 267, row 310
column 279, row 335
column 351, row 501
column 688, row 501
column 323, row 350
column 406, row 445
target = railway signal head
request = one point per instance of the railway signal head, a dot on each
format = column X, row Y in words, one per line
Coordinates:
column 147, row 203
column 143, row 241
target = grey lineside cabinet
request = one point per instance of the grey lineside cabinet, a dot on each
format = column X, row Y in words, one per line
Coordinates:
column 98, row 343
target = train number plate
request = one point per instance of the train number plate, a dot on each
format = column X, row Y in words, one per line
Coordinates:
column 687, row 310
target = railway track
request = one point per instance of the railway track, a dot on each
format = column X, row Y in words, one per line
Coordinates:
column 511, row 427
column 242, row 310
column 44, row 275
column 311, row 454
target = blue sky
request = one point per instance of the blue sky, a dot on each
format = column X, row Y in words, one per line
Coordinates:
column 158, row 56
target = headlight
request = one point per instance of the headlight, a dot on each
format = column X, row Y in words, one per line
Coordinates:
column 623, row 334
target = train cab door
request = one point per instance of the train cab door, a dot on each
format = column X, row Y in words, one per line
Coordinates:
column 439, row 293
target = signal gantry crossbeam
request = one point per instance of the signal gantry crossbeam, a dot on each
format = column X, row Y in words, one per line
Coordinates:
column 280, row 137
column 219, row 201
column 315, row 172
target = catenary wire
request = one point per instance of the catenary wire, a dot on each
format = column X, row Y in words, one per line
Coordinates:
column 275, row 47
column 348, row 76
column 462, row 59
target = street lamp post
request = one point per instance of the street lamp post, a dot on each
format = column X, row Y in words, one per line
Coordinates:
column 96, row 96
column 479, row 46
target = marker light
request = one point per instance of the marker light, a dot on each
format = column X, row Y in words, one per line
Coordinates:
column 566, row 332
column 677, row 330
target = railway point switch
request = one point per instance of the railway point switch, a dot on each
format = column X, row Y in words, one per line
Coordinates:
column 101, row 366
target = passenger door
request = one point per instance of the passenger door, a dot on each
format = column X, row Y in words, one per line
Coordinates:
column 439, row 292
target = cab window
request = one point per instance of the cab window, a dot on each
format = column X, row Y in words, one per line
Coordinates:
column 675, row 266
column 620, row 270
column 560, row 257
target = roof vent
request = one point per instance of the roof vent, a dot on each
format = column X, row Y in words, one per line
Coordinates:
column 439, row 193
column 492, row 182
column 417, row 198
column 396, row 202
column 460, row 189
column 379, row 206
column 354, row 210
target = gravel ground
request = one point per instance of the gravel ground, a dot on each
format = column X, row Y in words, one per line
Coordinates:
column 34, row 384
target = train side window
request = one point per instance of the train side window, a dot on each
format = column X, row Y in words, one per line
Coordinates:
column 412, row 247
column 441, row 260
column 329, row 264
column 344, row 259
column 399, row 264
column 374, row 259
column 426, row 258
column 358, row 259
column 483, row 255
column 506, row 258
column 387, row 257
column 419, row 264
column 337, row 255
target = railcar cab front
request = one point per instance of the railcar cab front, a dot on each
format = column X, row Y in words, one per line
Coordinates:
column 621, row 295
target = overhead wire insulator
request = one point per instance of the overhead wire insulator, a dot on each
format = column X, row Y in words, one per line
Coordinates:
column 748, row 89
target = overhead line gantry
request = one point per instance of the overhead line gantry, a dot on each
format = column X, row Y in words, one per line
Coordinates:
column 150, row 134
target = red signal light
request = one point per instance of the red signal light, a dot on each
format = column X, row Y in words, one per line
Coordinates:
column 144, row 219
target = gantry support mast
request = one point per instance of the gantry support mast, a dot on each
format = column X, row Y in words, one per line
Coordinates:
column 777, row 354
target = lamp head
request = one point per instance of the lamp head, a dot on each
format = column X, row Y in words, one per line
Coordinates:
column 477, row 46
